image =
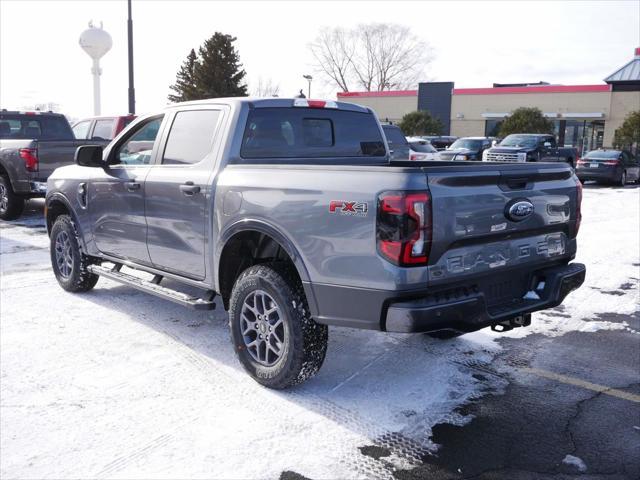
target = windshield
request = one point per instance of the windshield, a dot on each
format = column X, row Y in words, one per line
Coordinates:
column 422, row 147
column 467, row 143
column 519, row 141
column 603, row 154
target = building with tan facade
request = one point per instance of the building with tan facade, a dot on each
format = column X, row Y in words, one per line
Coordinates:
column 584, row 116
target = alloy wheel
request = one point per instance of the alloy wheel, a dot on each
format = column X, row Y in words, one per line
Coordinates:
column 64, row 254
column 263, row 328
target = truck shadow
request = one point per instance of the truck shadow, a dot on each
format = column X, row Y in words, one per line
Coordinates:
column 388, row 389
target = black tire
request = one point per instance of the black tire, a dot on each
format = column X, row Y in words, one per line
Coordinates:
column 11, row 205
column 304, row 342
column 444, row 334
column 623, row 179
column 71, row 272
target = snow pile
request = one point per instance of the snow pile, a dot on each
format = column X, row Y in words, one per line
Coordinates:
column 118, row 384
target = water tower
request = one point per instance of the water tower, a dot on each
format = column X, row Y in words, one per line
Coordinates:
column 96, row 42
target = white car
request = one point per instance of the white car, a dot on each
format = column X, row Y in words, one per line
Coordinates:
column 422, row 150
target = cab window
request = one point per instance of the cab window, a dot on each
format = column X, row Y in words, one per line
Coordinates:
column 81, row 129
column 137, row 149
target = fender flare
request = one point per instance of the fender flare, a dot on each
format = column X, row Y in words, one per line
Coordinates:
column 59, row 197
column 262, row 226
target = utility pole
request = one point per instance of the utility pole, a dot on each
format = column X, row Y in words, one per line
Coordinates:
column 132, row 90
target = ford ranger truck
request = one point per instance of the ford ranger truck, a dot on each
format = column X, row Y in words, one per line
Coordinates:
column 32, row 145
column 289, row 212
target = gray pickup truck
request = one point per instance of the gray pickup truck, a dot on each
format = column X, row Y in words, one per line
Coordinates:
column 32, row 145
column 291, row 212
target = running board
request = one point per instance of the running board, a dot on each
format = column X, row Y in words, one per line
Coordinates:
column 153, row 287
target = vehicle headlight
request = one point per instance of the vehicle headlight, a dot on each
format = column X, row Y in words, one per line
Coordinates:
column 484, row 155
column 462, row 157
column 522, row 156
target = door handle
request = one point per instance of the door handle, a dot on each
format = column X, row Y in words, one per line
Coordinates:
column 189, row 189
column 132, row 186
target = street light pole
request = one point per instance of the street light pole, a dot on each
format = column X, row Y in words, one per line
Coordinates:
column 308, row 78
column 132, row 91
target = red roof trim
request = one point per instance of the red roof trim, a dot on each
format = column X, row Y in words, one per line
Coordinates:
column 387, row 93
column 540, row 89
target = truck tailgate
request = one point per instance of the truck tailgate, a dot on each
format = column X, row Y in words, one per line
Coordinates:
column 495, row 219
column 57, row 153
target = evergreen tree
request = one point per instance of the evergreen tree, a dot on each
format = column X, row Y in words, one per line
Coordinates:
column 628, row 135
column 420, row 123
column 185, row 86
column 526, row 120
column 214, row 72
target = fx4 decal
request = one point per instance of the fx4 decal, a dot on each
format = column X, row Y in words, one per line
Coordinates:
column 344, row 207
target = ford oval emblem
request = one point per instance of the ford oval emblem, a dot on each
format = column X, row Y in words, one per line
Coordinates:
column 519, row 210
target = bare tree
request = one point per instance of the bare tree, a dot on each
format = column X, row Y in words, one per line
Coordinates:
column 333, row 50
column 265, row 88
column 373, row 57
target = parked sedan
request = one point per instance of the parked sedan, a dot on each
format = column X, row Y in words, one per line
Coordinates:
column 440, row 142
column 422, row 150
column 467, row 148
column 608, row 166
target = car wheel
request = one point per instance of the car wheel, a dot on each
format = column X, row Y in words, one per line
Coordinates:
column 623, row 179
column 11, row 205
column 67, row 260
column 273, row 334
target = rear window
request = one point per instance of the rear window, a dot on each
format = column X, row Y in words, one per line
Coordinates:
column 310, row 133
column 422, row 147
column 603, row 154
column 27, row 127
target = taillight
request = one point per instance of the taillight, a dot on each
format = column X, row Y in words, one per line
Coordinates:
column 578, row 204
column 413, row 156
column 612, row 162
column 404, row 227
column 30, row 158
column 581, row 162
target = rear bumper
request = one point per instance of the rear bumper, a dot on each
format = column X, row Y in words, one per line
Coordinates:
column 469, row 311
column 603, row 175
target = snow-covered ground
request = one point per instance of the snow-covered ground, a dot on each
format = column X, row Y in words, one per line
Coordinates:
column 118, row 384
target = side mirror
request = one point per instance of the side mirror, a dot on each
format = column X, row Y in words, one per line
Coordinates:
column 547, row 144
column 89, row 156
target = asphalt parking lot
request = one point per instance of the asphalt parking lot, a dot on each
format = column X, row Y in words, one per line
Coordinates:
column 115, row 384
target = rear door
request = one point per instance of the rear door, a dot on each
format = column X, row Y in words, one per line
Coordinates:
column 632, row 165
column 178, row 192
column 489, row 220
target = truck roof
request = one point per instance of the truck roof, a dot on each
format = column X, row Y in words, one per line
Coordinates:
column 30, row 112
column 270, row 102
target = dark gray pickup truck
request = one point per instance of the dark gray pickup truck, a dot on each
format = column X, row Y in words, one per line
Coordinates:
column 291, row 213
column 530, row 147
column 32, row 145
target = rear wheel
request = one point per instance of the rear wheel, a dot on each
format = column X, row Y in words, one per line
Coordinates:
column 274, row 336
column 11, row 205
column 67, row 260
column 623, row 179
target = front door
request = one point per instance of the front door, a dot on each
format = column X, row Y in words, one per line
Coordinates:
column 178, row 193
column 116, row 199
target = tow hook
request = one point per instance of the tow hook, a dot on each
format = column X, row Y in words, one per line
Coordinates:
column 519, row 321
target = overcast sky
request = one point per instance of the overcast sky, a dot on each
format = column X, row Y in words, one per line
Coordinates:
column 475, row 43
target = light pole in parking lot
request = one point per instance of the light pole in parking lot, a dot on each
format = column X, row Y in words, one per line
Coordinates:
column 132, row 90
column 308, row 78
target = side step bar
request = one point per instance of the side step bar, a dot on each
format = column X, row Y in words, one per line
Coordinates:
column 153, row 287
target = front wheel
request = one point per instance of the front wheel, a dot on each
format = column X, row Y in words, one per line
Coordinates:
column 67, row 260
column 274, row 336
column 11, row 205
